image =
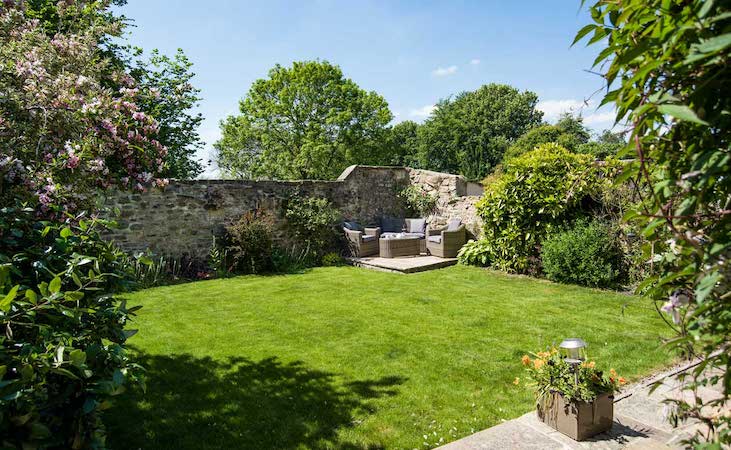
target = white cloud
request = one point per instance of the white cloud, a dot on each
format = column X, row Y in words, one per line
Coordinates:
column 444, row 71
column 552, row 109
column 600, row 118
column 597, row 120
column 475, row 61
column 422, row 112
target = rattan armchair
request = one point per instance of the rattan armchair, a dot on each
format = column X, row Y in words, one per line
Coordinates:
column 445, row 243
column 363, row 243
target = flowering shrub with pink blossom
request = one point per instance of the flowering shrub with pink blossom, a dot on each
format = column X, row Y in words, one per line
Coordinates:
column 70, row 126
column 64, row 132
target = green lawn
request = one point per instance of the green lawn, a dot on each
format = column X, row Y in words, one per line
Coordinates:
column 352, row 358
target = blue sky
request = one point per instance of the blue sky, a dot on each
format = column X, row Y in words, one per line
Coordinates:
column 411, row 52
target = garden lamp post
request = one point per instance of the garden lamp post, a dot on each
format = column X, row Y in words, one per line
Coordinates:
column 574, row 352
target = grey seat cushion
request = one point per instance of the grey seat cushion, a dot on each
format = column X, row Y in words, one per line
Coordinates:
column 416, row 226
column 419, row 235
column 453, row 224
column 436, row 239
column 368, row 238
column 355, row 226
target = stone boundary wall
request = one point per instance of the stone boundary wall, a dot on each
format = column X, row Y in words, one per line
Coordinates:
column 182, row 218
column 456, row 197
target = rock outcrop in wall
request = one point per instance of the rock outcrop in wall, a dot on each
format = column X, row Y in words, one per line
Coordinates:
column 182, row 219
column 456, row 197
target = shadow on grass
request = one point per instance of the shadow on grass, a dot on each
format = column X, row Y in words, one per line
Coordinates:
column 194, row 403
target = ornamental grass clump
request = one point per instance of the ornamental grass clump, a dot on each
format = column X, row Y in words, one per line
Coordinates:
column 550, row 373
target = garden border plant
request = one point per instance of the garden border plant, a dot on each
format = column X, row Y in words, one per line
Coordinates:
column 312, row 222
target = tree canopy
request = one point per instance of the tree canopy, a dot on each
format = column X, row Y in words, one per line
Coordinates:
column 468, row 134
column 569, row 132
column 306, row 121
column 170, row 98
column 402, row 144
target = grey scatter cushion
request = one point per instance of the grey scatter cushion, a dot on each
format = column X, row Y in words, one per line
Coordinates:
column 436, row 238
column 417, row 226
column 453, row 224
column 355, row 226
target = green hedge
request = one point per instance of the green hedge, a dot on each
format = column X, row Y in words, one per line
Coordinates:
column 588, row 254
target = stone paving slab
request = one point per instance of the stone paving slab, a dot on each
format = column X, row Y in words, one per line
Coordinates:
column 639, row 423
column 508, row 435
column 625, row 431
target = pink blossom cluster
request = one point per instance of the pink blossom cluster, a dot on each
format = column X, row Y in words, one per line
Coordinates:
column 74, row 134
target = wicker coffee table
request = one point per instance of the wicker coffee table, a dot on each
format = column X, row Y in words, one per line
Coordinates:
column 398, row 246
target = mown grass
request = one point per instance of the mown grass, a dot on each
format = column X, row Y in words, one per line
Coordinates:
column 350, row 358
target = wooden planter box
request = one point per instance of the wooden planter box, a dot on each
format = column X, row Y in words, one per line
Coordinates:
column 576, row 419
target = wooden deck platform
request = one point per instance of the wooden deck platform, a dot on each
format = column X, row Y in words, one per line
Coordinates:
column 404, row 264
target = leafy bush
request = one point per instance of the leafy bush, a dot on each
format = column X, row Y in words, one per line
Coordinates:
column 418, row 201
column 538, row 193
column 332, row 259
column 475, row 253
column 247, row 244
column 312, row 221
column 62, row 354
column 588, row 254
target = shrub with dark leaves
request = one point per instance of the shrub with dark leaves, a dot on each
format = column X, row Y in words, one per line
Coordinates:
column 588, row 254
column 247, row 243
column 62, row 350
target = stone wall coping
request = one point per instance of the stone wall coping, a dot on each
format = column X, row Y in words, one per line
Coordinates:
column 250, row 182
column 432, row 172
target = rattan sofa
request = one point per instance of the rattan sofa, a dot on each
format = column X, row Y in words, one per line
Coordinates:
column 363, row 243
column 446, row 242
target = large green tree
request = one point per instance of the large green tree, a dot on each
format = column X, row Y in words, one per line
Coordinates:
column 607, row 143
column 469, row 133
column 402, row 144
column 569, row 132
column 170, row 97
column 306, row 121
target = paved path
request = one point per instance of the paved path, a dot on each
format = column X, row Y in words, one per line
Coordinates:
column 639, row 423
